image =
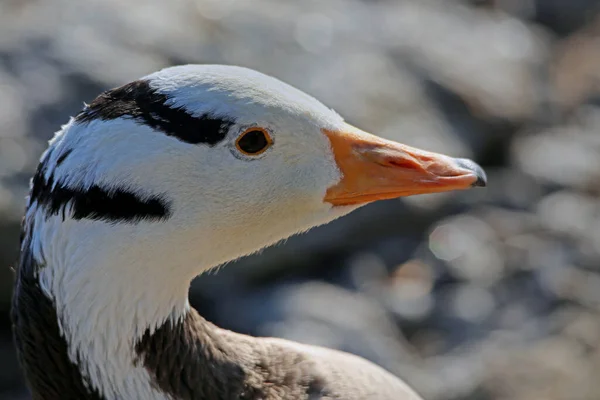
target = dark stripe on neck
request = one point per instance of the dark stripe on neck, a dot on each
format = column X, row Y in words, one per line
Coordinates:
column 94, row 202
column 193, row 359
column 138, row 101
column 43, row 352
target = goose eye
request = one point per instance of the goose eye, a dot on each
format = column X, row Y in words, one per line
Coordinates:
column 254, row 141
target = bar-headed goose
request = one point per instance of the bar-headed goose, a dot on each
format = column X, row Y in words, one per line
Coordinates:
column 161, row 179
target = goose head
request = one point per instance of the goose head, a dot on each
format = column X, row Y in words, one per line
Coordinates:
column 209, row 163
column 180, row 171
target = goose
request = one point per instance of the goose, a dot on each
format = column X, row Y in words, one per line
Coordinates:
column 164, row 178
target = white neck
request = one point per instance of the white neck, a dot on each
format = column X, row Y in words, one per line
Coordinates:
column 106, row 300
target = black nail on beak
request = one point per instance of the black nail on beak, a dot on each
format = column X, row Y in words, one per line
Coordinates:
column 472, row 166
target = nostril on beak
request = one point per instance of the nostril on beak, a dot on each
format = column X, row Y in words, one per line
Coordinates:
column 474, row 167
column 401, row 163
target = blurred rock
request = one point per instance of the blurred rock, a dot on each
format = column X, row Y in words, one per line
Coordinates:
column 409, row 291
column 494, row 73
column 569, row 213
column 567, row 155
column 468, row 245
column 576, row 69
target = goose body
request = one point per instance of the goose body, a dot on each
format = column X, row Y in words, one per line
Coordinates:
column 164, row 178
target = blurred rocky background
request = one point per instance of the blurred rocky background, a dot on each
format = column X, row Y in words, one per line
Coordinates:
column 487, row 294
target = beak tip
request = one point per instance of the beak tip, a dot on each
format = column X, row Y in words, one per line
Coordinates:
column 475, row 168
column 481, row 181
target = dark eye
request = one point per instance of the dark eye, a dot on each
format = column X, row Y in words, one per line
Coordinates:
column 254, row 141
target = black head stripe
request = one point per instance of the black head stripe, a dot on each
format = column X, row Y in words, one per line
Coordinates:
column 94, row 202
column 138, row 101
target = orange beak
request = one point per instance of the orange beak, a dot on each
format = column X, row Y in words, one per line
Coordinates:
column 377, row 169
